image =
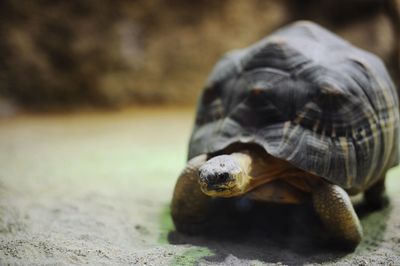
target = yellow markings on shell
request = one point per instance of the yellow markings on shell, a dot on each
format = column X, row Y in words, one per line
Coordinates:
column 387, row 129
column 294, row 130
column 285, row 137
column 376, row 142
column 286, row 127
column 300, row 117
column 345, row 148
column 276, row 40
column 304, row 23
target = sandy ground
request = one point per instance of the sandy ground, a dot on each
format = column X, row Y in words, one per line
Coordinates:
column 94, row 188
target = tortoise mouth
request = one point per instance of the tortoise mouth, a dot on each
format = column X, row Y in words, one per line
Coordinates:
column 229, row 187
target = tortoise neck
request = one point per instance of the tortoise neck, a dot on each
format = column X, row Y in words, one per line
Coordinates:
column 244, row 159
column 260, row 168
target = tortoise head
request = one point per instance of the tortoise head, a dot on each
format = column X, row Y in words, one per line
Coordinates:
column 222, row 176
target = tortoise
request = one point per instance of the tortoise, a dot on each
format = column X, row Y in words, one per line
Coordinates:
column 301, row 115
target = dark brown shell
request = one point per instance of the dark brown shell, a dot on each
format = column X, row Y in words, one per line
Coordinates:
column 306, row 96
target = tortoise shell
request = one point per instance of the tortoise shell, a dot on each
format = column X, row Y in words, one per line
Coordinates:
column 308, row 97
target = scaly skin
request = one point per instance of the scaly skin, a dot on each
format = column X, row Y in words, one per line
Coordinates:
column 375, row 196
column 190, row 206
column 336, row 211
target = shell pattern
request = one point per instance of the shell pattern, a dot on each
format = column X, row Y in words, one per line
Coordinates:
column 306, row 96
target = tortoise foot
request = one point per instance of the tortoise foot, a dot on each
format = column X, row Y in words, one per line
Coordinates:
column 378, row 204
column 375, row 198
column 190, row 207
column 336, row 211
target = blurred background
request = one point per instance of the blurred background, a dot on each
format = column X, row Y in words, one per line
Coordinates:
column 71, row 54
column 97, row 101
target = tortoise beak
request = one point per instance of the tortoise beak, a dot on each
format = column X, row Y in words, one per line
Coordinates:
column 215, row 184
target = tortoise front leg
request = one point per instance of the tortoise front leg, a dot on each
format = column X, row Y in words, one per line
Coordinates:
column 190, row 206
column 336, row 211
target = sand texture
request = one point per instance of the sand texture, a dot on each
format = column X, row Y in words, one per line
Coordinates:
column 94, row 188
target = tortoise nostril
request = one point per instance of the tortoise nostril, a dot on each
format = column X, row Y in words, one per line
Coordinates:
column 213, row 179
column 223, row 177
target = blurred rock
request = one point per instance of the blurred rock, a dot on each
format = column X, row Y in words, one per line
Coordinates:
column 112, row 53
